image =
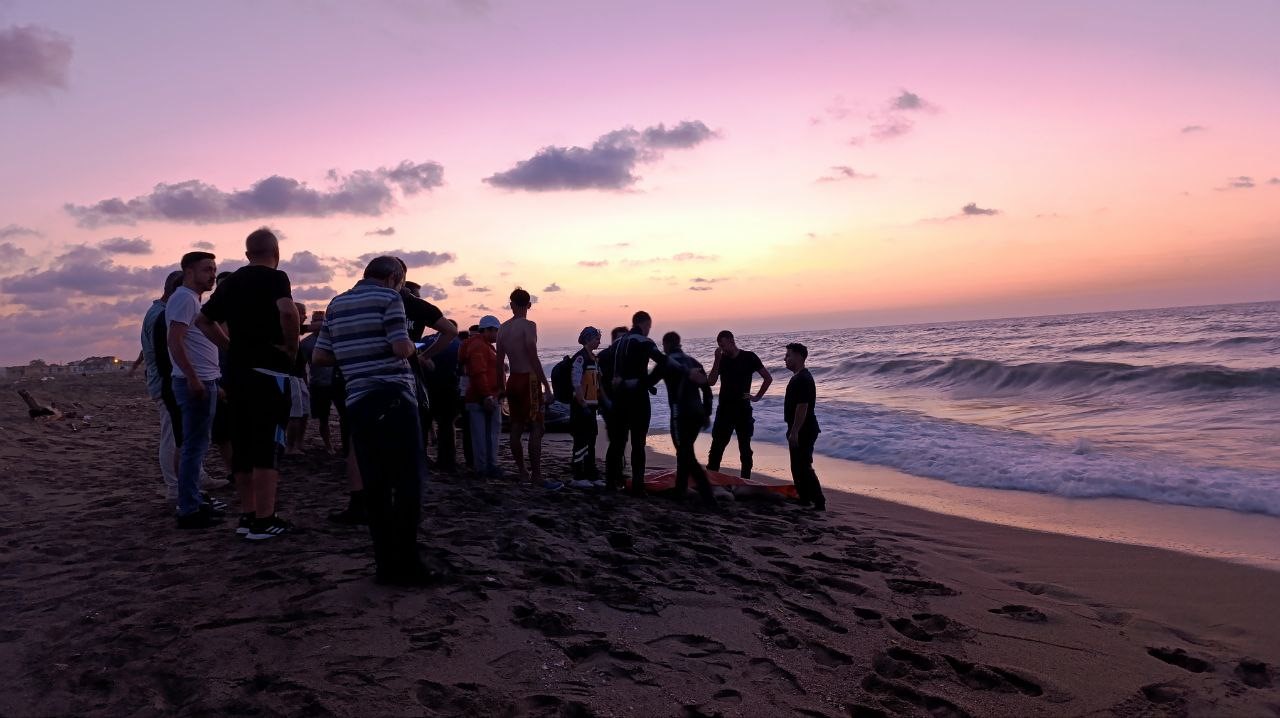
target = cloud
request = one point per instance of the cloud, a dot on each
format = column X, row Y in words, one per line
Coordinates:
column 32, row 58
column 895, row 118
column 973, row 210
column 481, row 290
column 313, row 294
column 207, row 246
column 125, row 245
column 412, row 259
column 706, row 280
column 307, row 268
column 363, row 192
column 1191, row 129
column 462, row 281
column 680, row 257
column 481, row 307
column 11, row 253
column 553, row 287
column 700, row 289
column 432, row 292
column 841, row 173
column 1274, row 181
column 1241, row 182
column 590, row 263
column 14, row 230
column 82, row 271
column 617, row 245
column 608, row 164
column 383, row 232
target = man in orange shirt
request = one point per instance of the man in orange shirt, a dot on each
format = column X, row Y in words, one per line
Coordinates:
column 479, row 360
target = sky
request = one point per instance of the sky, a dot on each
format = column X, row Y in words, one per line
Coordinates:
column 758, row 166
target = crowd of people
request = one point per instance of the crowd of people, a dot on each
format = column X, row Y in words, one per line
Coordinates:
column 243, row 371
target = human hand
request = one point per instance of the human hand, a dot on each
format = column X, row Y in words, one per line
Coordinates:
column 490, row 403
column 427, row 364
column 752, row 397
column 197, row 390
column 793, row 439
column 222, row 394
column 719, row 353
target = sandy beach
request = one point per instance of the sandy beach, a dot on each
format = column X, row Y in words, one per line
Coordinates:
column 583, row 604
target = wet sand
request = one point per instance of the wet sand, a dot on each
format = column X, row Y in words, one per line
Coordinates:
column 584, row 604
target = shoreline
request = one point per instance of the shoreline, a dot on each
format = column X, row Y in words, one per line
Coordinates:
column 581, row 603
column 1244, row 538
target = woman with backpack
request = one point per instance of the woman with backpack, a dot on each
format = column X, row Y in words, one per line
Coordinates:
column 580, row 389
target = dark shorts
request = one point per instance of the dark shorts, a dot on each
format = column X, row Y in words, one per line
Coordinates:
column 322, row 398
column 524, row 398
column 259, row 412
column 221, row 432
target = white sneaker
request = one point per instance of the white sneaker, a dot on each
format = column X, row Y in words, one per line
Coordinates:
column 581, row 484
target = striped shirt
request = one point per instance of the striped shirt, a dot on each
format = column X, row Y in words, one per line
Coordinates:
column 358, row 329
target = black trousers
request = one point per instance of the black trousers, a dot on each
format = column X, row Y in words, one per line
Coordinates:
column 444, row 412
column 731, row 418
column 802, row 473
column 388, row 443
column 631, row 414
column 582, row 424
column 684, row 434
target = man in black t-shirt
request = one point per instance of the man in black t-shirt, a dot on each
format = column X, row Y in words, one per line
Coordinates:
column 802, row 427
column 689, row 395
column 733, row 368
column 261, row 341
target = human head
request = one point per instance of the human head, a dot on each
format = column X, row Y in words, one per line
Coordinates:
column 617, row 332
column 589, row 337
column 670, row 342
column 302, row 312
column 474, row 328
column 222, row 277
column 797, row 353
column 171, row 284
column 488, row 328
column 520, row 301
column 642, row 322
column 385, row 270
column 262, row 247
column 317, row 319
column 198, row 271
column 725, row 341
column 414, row 288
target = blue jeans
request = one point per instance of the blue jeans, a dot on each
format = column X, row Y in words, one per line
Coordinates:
column 485, row 425
column 197, row 419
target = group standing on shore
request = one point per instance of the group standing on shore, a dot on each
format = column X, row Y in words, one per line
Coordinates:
column 236, row 371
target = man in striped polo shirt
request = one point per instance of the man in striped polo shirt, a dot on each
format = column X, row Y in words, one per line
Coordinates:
column 365, row 334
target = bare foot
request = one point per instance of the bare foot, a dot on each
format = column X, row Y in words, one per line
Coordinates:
column 522, row 475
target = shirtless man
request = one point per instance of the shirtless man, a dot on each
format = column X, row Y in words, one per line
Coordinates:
column 527, row 388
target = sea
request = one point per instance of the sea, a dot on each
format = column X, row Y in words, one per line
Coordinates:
column 1172, row 406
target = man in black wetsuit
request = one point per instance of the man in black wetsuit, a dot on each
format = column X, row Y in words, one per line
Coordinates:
column 630, row 385
column 802, row 427
column 733, row 368
column 689, row 394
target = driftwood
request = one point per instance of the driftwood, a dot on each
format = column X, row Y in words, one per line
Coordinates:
column 42, row 412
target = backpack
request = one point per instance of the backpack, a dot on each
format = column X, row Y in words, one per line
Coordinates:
column 562, row 380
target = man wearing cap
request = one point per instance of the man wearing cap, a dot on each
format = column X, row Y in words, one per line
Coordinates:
column 479, row 360
column 582, row 412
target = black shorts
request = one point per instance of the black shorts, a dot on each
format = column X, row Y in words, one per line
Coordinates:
column 259, row 413
column 221, row 432
column 323, row 397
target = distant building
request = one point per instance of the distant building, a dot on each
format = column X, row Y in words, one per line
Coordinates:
column 90, row 365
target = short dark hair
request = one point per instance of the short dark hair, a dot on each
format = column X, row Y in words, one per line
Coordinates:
column 640, row 317
column 521, row 298
column 191, row 259
column 670, row 339
column 383, row 268
column 222, row 276
column 413, row 288
column 474, row 328
column 261, row 242
column 798, row 348
column 617, row 332
column 724, row 334
column 172, row 282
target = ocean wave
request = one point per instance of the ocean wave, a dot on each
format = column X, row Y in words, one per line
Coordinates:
column 972, row 455
column 1126, row 345
column 977, row 377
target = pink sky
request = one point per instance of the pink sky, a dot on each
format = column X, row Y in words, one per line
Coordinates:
column 1102, row 145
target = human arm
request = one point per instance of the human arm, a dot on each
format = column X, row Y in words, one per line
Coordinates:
column 447, row 332
column 714, row 376
column 579, row 386
column 531, row 347
column 178, row 345
column 797, row 422
column 765, row 380
column 396, row 327
column 289, row 323
column 213, row 330
column 136, row 363
column 500, row 364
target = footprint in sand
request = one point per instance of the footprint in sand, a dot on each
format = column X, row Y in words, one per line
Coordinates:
column 692, row 646
column 1022, row 613
column 1181, row 659
column 1253, row 673
column 817, row 618
column 894, row 692
column 990, row 678
column 827, row 656
column 918, row 587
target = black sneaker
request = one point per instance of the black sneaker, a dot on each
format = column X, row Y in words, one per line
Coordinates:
column 268, row 528
column 199, row 519
column 213, row 504
column 246, row 523
column 349, row 516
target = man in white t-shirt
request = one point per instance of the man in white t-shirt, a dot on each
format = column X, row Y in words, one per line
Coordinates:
column 195, row 385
